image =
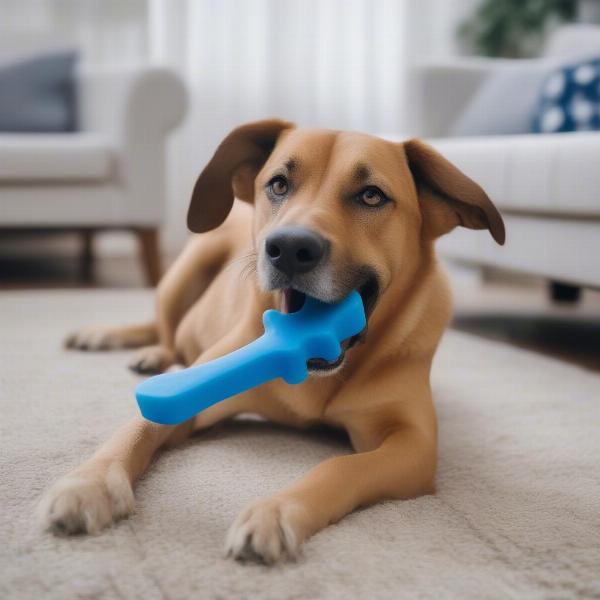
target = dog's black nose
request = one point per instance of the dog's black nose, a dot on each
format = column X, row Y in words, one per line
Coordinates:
column 294, row 250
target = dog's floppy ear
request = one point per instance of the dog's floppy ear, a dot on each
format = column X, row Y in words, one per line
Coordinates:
column 234, row 165
column 447, row 196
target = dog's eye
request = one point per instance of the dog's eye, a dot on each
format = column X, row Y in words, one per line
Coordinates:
column 278, row 186
column 372, row 197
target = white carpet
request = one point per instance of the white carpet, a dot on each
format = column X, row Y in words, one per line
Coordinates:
column 517, row 512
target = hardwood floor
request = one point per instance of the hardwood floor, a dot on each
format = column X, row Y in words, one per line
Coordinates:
column 38, row 272
column 508, row 309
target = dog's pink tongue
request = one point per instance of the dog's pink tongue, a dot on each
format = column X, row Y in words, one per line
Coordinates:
column 286, row 300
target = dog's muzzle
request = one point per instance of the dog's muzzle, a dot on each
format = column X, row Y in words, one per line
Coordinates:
column 295, row 261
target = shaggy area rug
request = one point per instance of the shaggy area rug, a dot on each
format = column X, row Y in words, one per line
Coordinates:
column 516, row 514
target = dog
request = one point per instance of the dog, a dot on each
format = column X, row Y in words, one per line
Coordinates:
column 279, row 213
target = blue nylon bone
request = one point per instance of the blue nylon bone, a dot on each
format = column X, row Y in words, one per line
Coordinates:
column 289, row 340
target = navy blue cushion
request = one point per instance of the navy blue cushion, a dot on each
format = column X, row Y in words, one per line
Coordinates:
column 38, row 94
column 570, row 99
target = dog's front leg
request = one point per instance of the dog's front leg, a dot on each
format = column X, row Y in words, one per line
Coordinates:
column 100, row 490
column 402, row 466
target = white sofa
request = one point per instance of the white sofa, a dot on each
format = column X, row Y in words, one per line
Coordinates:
column 111, row 174
column 547, row 186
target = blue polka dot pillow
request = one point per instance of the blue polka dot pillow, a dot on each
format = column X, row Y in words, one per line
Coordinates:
column 570, row 99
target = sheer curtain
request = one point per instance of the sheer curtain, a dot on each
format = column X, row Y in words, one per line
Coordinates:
column 332, row 63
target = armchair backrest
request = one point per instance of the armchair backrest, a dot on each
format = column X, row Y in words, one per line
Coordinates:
column 577, row 40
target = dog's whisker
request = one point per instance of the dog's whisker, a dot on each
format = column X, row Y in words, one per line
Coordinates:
column 247, row 261
column 239, row 259
column 248, row 270
column 246, row 256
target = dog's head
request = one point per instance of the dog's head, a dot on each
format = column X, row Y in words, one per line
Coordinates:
column 336, row 211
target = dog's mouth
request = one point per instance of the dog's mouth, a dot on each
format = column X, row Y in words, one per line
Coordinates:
column 292, row 300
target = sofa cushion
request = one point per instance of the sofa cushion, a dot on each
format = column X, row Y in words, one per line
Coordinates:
column 506, row 102
column 542, row 174
column 553, row 173
column 54, row 157
column 38, row 94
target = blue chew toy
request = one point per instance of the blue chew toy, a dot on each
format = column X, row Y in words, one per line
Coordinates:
column 289, row 341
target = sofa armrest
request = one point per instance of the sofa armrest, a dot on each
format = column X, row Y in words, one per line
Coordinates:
column 126, row 102
column 135, row 109
column 439, row 92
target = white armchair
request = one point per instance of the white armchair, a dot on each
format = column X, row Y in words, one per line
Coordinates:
column 110, row 174
column 546, row 186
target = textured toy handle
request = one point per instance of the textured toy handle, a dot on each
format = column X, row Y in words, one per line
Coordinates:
column 289, row 341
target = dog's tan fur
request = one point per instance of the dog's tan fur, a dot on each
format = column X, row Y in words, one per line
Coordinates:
column 210, row 303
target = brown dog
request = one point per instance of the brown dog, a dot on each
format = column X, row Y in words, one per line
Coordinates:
column 322, row 212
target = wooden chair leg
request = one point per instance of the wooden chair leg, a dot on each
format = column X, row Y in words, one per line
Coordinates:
column 86, row 265
column 148, row 241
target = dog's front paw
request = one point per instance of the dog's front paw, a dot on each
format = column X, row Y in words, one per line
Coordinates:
column 267, row 531
column 152, row 359
column 86, row 501
column 95, row 337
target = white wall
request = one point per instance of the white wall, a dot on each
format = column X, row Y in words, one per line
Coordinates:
column 433, row 25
